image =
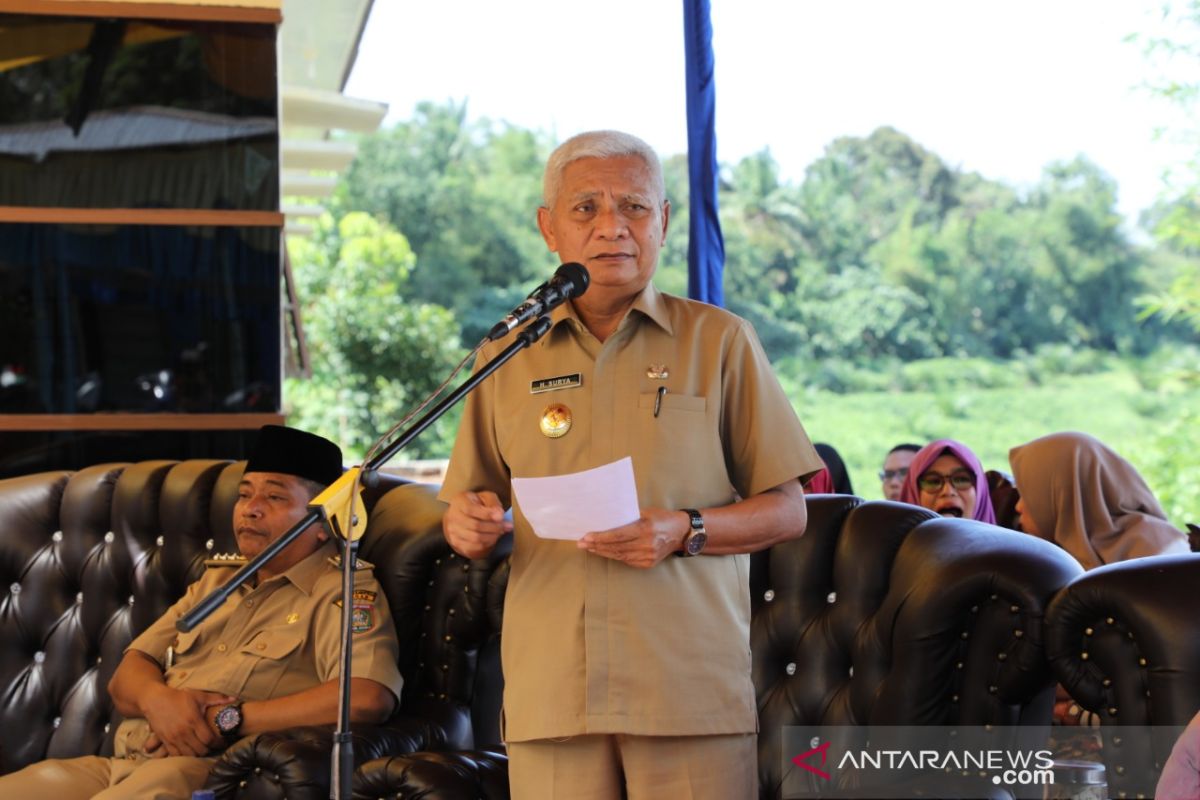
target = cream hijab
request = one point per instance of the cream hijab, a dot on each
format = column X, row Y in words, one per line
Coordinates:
column 1090, row 501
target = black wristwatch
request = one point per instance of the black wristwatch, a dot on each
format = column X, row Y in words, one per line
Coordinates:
column 229, row 719
column 696, row 538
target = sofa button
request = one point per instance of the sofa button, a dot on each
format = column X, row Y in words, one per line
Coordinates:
column 56, row 536
column 1088, row 631
column 208, row 545
column 79, row 597
column 1112, row 712
column 966, row 635
column 769, row 595
column 1083, row 656
column 57, row 721
column 1018, row 633
column 1141, row 662
column 451, row 612
column 107, row 727
column 1002, row 656
column 39, row 657
column 130, row 599
column 790, row 669
column 954, row 698
column 992, row 690
column 832, row 598
column 15, row 588
column 851, row 671
column 1107, row 682
column 1110, row 620
column 1014, row 608
column 159, row 541
column 109, row 537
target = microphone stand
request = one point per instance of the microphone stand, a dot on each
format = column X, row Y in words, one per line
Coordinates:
column 340, row 508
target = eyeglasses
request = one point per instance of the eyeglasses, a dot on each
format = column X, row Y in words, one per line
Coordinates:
column 893, row 474
column 933, row 482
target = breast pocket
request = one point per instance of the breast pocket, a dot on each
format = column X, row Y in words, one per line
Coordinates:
column 272, row 645
column 681, row 437
column 267, row 667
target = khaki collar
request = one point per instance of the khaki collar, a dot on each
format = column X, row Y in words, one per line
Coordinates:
column 649, row 303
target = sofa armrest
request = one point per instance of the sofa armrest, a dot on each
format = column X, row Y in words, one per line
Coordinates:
column 295, row 763
column 459, row 775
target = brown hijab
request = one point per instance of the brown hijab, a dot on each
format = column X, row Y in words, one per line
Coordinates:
column 1090, row 501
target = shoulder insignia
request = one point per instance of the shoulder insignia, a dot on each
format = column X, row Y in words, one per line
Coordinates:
column 226, row 560
column 359, row 564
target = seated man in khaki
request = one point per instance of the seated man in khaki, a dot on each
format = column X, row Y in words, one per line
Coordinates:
column 267, row 659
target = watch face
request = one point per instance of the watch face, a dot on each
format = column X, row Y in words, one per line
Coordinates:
column 695, row 543
column 228, row 719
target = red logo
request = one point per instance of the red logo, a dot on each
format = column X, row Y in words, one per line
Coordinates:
column 823, row 750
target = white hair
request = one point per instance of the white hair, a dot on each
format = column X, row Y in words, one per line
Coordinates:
column 599, row 144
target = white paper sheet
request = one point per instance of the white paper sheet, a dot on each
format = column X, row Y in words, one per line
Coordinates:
column 568, row 506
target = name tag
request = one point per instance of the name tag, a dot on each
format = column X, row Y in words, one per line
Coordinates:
column 551, row 384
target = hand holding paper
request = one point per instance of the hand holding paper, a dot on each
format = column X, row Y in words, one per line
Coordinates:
column 568, row 506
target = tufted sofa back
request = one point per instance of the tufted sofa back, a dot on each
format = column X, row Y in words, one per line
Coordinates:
column 886, row 614
column 89, row 559
column 1123, row 640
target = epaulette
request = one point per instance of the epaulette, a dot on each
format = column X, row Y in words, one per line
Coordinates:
column 226, row 560
column 359, row 564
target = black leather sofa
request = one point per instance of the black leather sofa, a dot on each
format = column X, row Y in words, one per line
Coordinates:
column 1124, row 639
column 881, row 614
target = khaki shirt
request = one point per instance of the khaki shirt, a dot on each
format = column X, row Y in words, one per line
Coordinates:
column 589, row 644
column 272, row 640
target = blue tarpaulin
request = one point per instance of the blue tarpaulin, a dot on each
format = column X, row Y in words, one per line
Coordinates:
column 706, row 246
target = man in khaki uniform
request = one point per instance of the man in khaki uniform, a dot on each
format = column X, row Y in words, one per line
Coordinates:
column 267, row 659
column 627, row 669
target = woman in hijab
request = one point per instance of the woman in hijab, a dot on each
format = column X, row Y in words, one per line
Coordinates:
column 1079, row 494
column 946, row 477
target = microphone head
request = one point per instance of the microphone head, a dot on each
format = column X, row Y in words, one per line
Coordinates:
column 574, row 274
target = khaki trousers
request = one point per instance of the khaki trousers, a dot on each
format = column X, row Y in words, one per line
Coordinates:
column 615, row 766
column 171, row 778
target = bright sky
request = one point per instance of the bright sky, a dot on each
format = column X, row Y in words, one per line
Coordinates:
column 1001, row 88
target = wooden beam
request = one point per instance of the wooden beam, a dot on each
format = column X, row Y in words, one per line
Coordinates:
column 251, row 11
column 137, row 422
column 141, row 216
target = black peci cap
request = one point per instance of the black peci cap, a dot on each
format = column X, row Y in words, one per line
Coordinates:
column 290, row 451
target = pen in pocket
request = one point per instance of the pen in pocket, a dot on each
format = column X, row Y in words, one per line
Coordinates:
column 658, row 396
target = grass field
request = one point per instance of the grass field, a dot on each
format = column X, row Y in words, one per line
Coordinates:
column 1150, row 417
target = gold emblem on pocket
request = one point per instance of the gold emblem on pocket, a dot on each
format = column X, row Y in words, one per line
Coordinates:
column 556, row 420
column 293, row 618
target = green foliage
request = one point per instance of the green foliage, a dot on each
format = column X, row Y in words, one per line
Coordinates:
column 464, row 194
column 375, row 353
column 1176, row 221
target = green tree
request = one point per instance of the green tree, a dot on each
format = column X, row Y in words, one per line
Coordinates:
column 465, row 194
column 1176, row 222
column 375, row 353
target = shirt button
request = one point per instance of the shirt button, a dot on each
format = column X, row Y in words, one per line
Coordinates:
column 249, row 604
column 261, row 646
column 221, row 648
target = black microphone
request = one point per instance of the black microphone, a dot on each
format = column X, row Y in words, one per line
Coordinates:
column 570, row 280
